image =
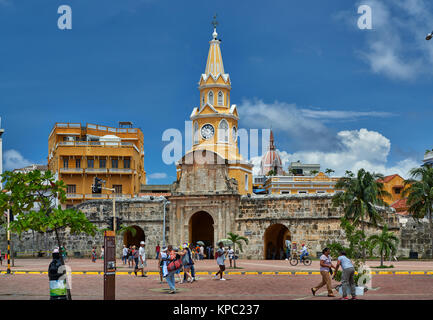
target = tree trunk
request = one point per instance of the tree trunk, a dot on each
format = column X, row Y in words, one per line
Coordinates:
column 381, row 258
column 68, row 290
column 234, row 255
column 431, row 230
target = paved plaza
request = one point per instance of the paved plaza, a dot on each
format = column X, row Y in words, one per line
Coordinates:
column 257, row 284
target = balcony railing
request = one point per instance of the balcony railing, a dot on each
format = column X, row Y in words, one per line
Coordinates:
column 428, row 156
column 119, row 196
column 71, row 170
column 115, row 144
column 96, row 196
column 96, row 170
column 111, row 129
column 74, row 196
column 117, row 170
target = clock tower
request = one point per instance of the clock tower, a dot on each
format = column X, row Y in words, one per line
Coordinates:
column 215, row 121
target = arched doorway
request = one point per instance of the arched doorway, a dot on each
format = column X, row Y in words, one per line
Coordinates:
column 274, row 238
column 201, row 229
column 129, row 239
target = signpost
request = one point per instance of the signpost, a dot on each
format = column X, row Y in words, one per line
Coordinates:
column 109, row 265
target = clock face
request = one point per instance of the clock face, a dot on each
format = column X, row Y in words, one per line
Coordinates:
column 207, row 131
column 234, row 134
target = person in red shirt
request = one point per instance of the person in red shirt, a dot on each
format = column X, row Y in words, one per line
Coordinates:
column 157, row 250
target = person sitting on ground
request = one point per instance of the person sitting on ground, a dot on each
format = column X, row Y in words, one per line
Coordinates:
column 347, row 279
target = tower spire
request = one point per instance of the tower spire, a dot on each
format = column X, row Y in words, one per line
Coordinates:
column 214, row 63
column 214, row 23
column 271, row 141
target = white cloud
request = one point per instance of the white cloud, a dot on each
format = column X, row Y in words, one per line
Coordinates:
column 157, row 175
column 12, row 159
column 360, row 149
column 396, row 47
column 305, row 126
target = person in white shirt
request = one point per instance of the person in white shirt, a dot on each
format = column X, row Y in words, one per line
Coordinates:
column 141, row 260
column 124, row 254
column 304, row 252
column 231, row 254
column 288, row 248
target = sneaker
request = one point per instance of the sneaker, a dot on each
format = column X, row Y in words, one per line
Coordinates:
column 223, row 279
column 144, row 276
column 287, row 259
column 215, row 277
column 344, row 298
column 331, row 295
column 172, row 292
column 313, row 291
column 354, row 298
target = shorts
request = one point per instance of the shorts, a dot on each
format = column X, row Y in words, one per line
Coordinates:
column 222, row 267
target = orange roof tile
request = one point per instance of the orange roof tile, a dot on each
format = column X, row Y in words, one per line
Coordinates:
column 399, row 204
column 387, row 178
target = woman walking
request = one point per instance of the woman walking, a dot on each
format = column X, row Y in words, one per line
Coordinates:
column 347, row 277
column 94, row 254
column 166, row 255
column 221, row 256
column 231, row 254
column 130, row 257
column 325, row 269
column 187, row 262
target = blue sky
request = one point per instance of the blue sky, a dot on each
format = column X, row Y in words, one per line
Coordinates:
column 334, row 94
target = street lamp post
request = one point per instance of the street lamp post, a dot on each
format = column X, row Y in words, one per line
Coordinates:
column 9, row 242
column 163, row 226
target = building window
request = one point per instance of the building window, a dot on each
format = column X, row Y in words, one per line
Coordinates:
column 220, row 98
column 321, row 191
column 223, row 131
column 65, row 163
column 195, row 137
column 246, row 182
column 202, row 99
column 77, row 163
column 90, row 163
column 126, row 163
column 71, row 188
column 302, row 192
column 117, row 188
column 210, row 98
column 114, row 163
column 102, row 163
column 397, row 190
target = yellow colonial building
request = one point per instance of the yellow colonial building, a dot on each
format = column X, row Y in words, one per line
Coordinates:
column 79, row 153
column 215, row 121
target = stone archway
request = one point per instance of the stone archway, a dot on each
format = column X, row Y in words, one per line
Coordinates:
column 129, row 239
column 201, row 228
column 274, row 241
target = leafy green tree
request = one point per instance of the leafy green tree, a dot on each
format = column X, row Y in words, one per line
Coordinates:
column 386, row 242
column 314, row 172
column 362, row 195
column 329, row 171
column 271, row 173
column 34, row 197
column 419, row 194
column 236, row 240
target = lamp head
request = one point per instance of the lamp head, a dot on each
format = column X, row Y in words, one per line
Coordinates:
column 429, row 36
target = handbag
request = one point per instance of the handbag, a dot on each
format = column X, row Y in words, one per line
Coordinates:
column 173, row 265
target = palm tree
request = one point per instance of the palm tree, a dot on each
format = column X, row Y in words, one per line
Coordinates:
column 329, row 171
column 236, row 240
column 386, row 241
column 362, row 195
column 420, row 194
column 314, row 172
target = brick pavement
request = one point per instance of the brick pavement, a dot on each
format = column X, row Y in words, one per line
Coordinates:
column 239, row 287
column 210, row 265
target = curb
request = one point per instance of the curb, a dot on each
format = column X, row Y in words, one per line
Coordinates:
column 231, row 273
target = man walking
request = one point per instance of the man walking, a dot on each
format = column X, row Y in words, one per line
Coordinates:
column 157, row 249
column 221, row 256
column 288, row 247
column 347, row 277
column 141, row 260
column 124, row 254
column 325, row 269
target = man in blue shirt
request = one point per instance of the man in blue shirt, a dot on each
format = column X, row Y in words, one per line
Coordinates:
column 347, row 277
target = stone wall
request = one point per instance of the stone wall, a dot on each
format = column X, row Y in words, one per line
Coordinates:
column 415, row 235
column 310, row 219
column 144, row 212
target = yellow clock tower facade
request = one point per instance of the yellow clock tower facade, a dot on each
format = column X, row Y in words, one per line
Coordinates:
column 215, row 121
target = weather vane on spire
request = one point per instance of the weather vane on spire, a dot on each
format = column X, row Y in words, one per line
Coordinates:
column 214, row 23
